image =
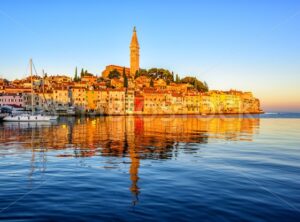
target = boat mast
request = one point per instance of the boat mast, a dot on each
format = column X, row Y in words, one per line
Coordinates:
column 31, row 86
column 45, row 99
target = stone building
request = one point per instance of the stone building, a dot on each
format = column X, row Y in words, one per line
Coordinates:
column 120, row 69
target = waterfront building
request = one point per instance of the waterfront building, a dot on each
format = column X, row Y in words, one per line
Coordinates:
column 129, row 101
column 116, row 101
column 206, row 104
column 46, row 100
column 177, row 103
column 138, row 103
column 79, row 98
column 91, row 100
column 28, row 101
column 12, row 99
column 154, row 101
column 249, row 103
column 191, row 103
column 60, row 97
column 215, row 100
column 102, row 101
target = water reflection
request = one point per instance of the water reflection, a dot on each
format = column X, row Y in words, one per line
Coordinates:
column 135, row 138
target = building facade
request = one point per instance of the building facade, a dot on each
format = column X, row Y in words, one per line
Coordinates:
column 16, row 99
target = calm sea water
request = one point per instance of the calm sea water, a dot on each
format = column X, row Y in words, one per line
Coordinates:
column 190, row 168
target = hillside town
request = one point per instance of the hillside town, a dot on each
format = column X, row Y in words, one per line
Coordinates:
column 124, row 91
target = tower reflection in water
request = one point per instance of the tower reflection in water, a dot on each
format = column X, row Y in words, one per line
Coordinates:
column 130, row 137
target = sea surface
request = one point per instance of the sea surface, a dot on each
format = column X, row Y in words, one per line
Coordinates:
column 152, row 168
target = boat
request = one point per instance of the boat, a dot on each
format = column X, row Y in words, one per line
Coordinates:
column 12, row 109
column 4, row 111
column 53, row 117
column 65, row 111
column 71, row 111
column 30, row 117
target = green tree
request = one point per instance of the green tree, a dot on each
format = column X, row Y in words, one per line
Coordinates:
column 160, row 73
column 152, row 73
column 200, row 86
column 76, row 75
column 125, row 79
column 177, row 80
column 143, row 72
column 137, row 74
column 100, row 79
column 114, row 74
column 81, row 73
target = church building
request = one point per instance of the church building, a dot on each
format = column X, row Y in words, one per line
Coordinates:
column 134, row 59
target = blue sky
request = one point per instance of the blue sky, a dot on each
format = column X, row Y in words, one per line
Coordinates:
column 246, row 45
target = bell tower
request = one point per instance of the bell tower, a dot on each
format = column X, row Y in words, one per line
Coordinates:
column 134, row 53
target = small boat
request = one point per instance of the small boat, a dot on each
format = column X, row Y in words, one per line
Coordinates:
column 4, row 112
column 53, row 117
column 12, row 109
column 71, row 111
column 66, row 111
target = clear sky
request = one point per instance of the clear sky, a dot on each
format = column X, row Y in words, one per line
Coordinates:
column 245, row 45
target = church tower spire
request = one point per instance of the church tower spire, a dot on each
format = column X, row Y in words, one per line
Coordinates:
column 134, row 53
